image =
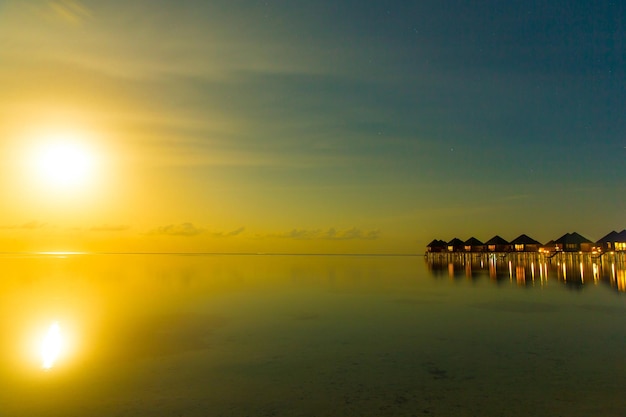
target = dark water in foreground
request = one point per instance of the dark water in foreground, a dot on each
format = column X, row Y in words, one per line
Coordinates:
column 167, row 335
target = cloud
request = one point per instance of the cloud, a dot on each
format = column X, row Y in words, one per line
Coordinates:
column 71, row 11
column 355, row 234
column 329, row 234
column 25, row 226
column 110, row 228
column 182, row 229
column 232, row 233
column 189, row 229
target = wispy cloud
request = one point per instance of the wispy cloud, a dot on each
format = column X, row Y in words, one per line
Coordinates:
column 181, row 229
column 25, row 226
column 329, row 234
column 110, row 228
column 232, row 233
column 189, row 230
column 72, row 11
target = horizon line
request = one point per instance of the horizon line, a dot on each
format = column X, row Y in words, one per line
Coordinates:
column 72, row 253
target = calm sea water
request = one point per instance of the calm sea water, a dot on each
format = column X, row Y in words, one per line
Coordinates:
column 168, row 335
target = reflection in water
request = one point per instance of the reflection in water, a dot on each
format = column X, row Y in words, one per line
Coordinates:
column 245, row 335
column 618, row 276
column 51, row 346
column 572, row 269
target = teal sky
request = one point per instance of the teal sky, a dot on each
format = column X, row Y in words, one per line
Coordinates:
column 317, row 126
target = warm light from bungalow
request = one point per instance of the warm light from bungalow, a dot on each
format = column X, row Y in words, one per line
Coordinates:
column 582, row 274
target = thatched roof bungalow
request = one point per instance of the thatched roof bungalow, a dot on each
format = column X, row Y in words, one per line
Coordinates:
column 523, row 243
column 498, row 244
column 437, row 246
column 474, row 245
column 613, row 241
column 548, row 247
column 573, row 242
column 455, row 245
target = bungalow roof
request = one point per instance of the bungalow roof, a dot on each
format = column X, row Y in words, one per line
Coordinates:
column 524, row 240
column 496, row 240
column 472, row 241
column 621, row 236
column 436, row 243
column 455, row 242
column 572, row 238
column 609, row 238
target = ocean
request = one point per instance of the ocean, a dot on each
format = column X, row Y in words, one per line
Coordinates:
column 308, row 335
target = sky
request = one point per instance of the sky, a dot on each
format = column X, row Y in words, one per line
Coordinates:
column 310, row 127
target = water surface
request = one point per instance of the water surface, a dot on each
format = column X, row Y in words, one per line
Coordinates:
column 230, row 335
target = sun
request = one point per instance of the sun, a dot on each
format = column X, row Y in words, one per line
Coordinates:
column 63, row 162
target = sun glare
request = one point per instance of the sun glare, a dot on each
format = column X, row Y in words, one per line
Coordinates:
column 51, row 346
column 63, row 163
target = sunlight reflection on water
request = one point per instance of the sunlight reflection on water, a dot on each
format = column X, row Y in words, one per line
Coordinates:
column 51, row 346
column 311, row 335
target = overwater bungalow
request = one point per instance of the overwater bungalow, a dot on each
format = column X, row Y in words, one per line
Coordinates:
column 573, row 242
column 614, row 241
column 569, row 242
column 474, row 245
column 498, row 244
column 523, row 243
column 548, row 247
column 456, row 245
column 437, row 246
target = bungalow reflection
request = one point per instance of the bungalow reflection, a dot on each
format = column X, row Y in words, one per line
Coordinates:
column 572, row 269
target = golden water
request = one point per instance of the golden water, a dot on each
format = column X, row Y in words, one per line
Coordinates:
column 167, row 335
